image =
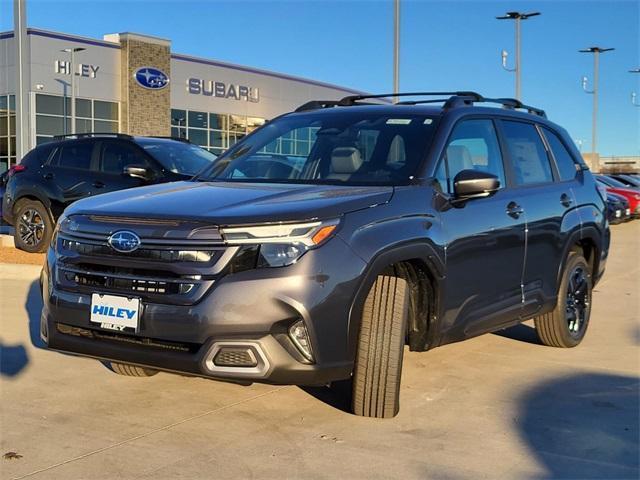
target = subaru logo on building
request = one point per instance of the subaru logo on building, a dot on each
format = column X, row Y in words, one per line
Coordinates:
column 124, row 241
column 152, row 78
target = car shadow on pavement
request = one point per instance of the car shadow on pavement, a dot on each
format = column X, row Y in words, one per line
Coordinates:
column 338, row 395
column 520, row 332
column 584, row 426
column 33, row 306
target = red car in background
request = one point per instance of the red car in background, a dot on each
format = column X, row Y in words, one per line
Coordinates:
column 631, row 194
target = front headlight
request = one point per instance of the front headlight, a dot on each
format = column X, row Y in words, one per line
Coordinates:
column 281, row 244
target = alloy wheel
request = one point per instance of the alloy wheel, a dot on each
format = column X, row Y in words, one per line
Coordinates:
column 31, row 227
column 577, row 306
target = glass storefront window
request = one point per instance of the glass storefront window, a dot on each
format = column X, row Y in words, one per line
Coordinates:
column 198, row 119
column 91, row 116
column 213, row 131
column 7, row 131
column 83, row 108
column 178, row 117
column 105, row 110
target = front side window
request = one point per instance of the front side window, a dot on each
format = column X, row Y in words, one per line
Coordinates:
column 528, row 156
column 564, row 160
column 473, row 146
column 331, row 146
column 118, row 155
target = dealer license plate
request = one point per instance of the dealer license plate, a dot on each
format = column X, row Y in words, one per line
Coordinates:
column 114, row 312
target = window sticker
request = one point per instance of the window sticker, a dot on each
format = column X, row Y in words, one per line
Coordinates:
column 398, row 121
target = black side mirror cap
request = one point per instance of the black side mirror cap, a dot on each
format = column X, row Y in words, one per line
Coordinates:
column 137, row 171
column 469, row 184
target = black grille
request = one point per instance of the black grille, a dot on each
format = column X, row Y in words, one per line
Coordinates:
column 235, row 357
column 165, row 255
column 121, row 338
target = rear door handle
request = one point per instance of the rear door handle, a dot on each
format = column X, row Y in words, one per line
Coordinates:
column 565, row 200
column 98, row 184
column 514, row 210
column 47, row 176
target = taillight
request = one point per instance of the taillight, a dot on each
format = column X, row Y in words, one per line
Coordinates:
column 16, row 169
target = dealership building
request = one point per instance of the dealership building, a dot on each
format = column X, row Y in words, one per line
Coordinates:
column 135, row 84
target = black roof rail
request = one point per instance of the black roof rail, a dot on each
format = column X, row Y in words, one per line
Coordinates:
column 91, row 135
column 352, row 99
column 454, row 100
column 177, row 139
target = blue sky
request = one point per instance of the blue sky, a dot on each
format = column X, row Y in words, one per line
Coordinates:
column 445, row 45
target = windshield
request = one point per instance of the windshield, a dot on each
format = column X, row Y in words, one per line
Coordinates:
column 178, row 157
column 339, row 146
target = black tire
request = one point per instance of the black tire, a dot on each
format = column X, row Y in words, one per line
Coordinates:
column 130, row 370
column 567, row 324
column 378, row 366
column 33, row 226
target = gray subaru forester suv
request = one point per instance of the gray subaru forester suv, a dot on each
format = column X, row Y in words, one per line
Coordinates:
column 316, row 248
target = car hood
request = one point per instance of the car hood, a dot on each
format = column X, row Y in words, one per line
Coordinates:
column 226, row 203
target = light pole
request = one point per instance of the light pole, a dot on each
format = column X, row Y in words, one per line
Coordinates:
column 396, row 48
column 518, row 17
column 633, row 94
column 596, row 77
column 73, row 51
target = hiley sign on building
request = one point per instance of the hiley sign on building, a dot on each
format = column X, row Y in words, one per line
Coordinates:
column 82, row 69
column 211, row 88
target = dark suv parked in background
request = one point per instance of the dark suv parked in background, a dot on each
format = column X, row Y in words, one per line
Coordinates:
column 53, row 175
column 317, row 247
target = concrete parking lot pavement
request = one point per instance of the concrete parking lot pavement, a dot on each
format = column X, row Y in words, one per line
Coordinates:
column 498, row 406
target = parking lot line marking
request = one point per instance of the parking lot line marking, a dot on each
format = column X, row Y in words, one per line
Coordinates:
column 146, row 434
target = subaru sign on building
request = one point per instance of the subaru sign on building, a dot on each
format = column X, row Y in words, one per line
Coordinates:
column 149, row 77
column 136, row 84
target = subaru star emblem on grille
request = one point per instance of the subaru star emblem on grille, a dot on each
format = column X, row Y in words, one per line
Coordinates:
column 124, row 241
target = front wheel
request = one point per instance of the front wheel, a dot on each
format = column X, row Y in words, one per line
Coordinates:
column 129, row 370
column 378, row 368
column 567, row 324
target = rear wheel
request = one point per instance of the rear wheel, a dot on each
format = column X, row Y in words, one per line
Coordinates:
column 130, row 370
column 567, row 324
column 33, row 226
column 378, row 367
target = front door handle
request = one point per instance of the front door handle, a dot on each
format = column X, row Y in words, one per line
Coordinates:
column 565, row 200
column 47, row 176
column 514, row 210
column 98, row 184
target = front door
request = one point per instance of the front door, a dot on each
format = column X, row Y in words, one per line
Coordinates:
column 485, row 245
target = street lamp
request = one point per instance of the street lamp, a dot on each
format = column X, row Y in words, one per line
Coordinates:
column 73, row 51
column 596, row 73
column 396, row 47
column 633, row 94
column 518, row 17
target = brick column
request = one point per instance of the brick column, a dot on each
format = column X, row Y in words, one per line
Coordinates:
column 144, row 111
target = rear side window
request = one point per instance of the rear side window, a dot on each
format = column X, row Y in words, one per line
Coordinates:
column 473, row 146
column 117, row 155
column 564, row 160
column 528, row 155
column 76, row 155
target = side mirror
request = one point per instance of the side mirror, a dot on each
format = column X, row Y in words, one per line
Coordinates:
column 137, row 171
column 469, row 184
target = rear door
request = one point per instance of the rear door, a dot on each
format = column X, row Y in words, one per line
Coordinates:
column 114, row 156
column 485, row 237
column 547, row 200
column 70, row 170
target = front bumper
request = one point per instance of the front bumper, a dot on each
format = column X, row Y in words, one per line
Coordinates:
column 253, row 307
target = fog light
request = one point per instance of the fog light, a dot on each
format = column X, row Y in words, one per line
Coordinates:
column 300, row 337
